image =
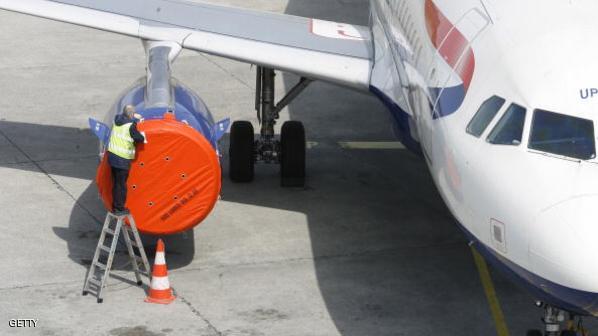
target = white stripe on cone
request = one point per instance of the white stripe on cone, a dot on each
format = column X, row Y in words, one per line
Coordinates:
column 160, row 283
column 160, row 259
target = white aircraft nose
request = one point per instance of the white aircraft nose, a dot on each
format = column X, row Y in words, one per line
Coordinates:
column 564, row 243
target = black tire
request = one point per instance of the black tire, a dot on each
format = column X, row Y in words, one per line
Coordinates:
column 240, row 153
column 534, row 333
column 292, row 154
column 568, row 333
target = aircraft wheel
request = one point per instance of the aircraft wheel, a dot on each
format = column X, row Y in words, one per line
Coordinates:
column 568, row 333
column 534, row 333
column 292, row 154
column 240, row 152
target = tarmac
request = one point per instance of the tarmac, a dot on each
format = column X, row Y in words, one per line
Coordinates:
column 366, row 248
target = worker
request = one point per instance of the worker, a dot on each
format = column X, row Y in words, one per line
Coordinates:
column 121, row 151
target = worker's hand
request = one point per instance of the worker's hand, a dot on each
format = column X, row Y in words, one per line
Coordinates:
column 138, row 117
column 144, row 137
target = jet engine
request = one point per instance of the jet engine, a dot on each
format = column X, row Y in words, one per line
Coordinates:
column 175, row 179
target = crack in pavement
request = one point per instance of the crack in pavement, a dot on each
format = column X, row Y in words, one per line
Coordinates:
column 198, row 314
column 52, row 179
column 49, row 160
column 60, row 283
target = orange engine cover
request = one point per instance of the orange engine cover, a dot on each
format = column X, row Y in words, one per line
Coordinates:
column 174, row 180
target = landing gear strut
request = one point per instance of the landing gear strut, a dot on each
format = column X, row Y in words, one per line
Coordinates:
column 288, row 150
column 553, row 319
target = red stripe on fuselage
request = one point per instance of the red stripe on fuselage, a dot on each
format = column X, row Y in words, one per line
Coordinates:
column 450, row 43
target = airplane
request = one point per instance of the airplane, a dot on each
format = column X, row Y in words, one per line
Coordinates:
column 495, row 96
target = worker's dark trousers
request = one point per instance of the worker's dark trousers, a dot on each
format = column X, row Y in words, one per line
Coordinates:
column 119, row 188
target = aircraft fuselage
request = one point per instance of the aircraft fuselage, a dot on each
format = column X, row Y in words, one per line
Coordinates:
column 522, row 181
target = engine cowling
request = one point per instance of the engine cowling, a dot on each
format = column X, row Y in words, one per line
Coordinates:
column 175, row 178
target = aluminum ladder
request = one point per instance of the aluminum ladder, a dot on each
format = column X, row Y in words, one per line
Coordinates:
column 99, row 271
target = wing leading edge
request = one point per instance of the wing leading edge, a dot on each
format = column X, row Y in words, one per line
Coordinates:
column 329, row 51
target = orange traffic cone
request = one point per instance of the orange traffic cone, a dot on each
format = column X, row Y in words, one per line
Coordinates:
column 160, row 291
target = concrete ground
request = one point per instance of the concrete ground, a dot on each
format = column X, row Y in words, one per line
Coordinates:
column 367, row 248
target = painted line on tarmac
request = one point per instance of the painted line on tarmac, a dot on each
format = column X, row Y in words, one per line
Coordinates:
column 371, row 145
column 495, row 309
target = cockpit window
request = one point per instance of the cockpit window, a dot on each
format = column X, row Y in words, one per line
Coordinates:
column 484, row 116
column 562, row 135
column 509, row 129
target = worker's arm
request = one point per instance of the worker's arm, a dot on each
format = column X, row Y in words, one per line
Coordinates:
column 135, row 134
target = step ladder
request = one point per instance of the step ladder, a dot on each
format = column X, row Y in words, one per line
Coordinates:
column 100, row 270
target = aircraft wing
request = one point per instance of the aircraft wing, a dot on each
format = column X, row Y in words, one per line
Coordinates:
column 316, row 49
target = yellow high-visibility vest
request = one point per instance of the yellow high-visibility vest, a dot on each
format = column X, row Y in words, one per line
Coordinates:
column 121, row 143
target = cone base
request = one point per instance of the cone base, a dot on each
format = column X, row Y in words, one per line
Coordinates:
column 160, row 301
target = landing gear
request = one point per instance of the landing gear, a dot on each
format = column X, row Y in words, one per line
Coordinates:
column 552, row 320
column 241, row 157
column 288, row 151
column 292, row 158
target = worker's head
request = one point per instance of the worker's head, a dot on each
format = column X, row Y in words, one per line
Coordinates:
column 129, row 111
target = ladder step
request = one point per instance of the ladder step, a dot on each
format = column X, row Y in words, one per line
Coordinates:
column 99, row 276
column 95, row 282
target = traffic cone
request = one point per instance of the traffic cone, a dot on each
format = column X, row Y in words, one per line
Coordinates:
column 160, row 291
